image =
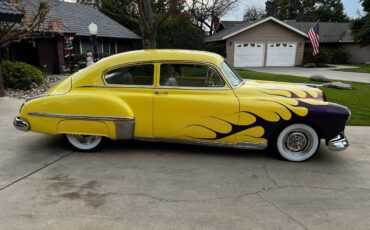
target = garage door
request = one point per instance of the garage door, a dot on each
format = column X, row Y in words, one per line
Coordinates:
column 249, row 54
column 281, row 54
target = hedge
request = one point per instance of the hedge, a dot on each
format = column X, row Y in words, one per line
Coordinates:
column 20, row 75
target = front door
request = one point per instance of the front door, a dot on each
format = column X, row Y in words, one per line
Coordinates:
column 194, row 103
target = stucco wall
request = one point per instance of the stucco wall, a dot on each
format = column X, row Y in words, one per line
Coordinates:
column 357, row 53
column 267, row 32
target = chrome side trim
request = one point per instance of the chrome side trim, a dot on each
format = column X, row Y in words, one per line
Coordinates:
column 82, row 117
column 21, row 124
column 240, row 145
column 125, row 129
column 339, row 143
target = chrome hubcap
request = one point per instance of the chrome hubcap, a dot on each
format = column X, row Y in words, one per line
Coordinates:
column 84, row 139
column 298, row 142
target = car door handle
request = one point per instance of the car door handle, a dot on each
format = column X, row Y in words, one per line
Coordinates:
column 160, row 93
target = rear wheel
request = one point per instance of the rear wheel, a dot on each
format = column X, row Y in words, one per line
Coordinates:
column 298, row 142
column 83, row 142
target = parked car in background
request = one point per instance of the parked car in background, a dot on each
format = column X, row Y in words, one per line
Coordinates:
column 189, row 97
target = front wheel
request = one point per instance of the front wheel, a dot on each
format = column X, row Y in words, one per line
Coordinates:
column 83, row 142
column 298, row 142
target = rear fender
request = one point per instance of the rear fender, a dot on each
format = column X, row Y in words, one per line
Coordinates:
column 89, row 114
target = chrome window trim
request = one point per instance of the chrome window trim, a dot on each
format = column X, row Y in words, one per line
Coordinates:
column 117, row 86
column 223, row 78
column 153, row 87
column 82, row 117
column 153, row 62
column 127, row 65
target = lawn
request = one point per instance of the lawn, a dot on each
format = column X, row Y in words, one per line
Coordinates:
column 357, row 99
column 362, row 68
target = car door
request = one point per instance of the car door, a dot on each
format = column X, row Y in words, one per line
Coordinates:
column 134, row 84
column 193, row 102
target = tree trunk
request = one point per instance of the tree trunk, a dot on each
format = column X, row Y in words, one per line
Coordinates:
column 2, row 93
column 149, row 41
column 149, row 36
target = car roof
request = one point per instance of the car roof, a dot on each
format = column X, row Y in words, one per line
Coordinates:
column 163, row 55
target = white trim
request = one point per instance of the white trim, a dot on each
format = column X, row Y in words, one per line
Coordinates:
column 80, row 45
column 261, row 22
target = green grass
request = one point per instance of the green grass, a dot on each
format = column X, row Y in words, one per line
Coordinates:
column 362, row 68
column 357, row 99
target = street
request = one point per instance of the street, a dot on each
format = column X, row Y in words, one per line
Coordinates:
column 44, row 184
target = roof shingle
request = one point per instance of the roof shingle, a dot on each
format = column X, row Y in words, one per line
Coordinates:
column 330, row 32
column 75, row 18
column 9, row 13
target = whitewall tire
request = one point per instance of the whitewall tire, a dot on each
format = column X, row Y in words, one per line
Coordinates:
column 83, row 142
column 298, row 142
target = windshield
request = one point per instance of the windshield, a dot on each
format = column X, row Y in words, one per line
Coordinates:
column 232, row 76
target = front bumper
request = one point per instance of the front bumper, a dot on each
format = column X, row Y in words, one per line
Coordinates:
column 21, row 124
column 339, row 143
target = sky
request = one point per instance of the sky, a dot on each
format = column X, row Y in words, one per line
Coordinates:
column 351, row 7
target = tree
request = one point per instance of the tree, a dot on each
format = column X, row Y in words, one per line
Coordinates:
column 310, row 10
column 361, row 26
column 179, row 32
column 330, row 11
column 207, row 12
column 366, row 5
column 147, row 14
column 253, row 13
column 11, row 31
column 271, row 8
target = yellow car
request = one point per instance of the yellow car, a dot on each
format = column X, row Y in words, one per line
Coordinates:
column 185, row 96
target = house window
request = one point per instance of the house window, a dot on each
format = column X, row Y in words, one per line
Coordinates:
column 131, row 75
column 105, row 47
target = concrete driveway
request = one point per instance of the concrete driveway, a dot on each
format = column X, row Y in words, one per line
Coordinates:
column 137, row 185
column 329, row 73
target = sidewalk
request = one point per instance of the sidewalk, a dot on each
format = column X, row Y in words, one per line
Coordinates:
column 329, row 73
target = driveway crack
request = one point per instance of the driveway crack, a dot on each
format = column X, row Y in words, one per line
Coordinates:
column 37, row 170
column 281, row 211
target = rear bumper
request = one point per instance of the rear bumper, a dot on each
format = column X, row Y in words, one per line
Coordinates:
column 339, row 143
column 21, row 124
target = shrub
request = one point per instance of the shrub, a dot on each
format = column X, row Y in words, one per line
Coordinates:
column 326, row 56
column 340, row 56
column 20, row 75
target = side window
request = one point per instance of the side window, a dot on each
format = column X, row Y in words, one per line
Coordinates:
column 131, row 75
column 189, row 75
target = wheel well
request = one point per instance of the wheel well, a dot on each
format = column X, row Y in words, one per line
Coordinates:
column 283, row 126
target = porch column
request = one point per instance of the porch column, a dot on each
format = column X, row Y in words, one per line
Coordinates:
column 60, row 54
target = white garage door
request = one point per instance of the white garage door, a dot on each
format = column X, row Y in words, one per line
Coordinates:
column 249, row 54
column 281, row 54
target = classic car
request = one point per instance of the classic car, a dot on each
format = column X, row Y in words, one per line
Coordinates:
column 185, row 96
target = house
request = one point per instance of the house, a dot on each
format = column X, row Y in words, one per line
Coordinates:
column 271, row 42
column 336, row 35
column 266, row 42
column 65, row 20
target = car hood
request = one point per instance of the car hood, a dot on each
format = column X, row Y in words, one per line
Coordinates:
column 256, row 88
